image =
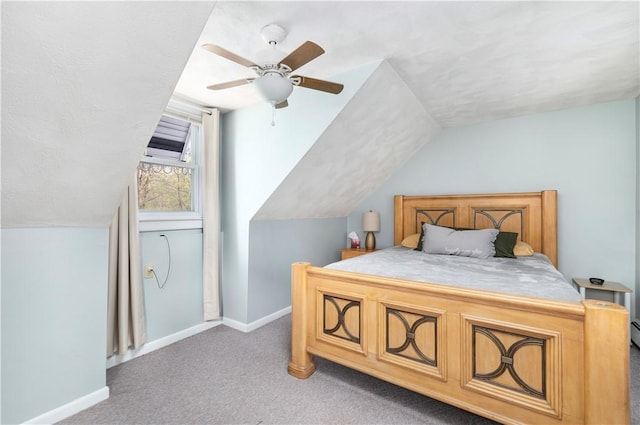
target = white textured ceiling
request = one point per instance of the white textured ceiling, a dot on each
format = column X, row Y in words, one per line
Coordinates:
column 83, row 87
column 83, row 83
column 465, row 62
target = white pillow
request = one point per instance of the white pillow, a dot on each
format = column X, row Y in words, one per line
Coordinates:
column 464, row 243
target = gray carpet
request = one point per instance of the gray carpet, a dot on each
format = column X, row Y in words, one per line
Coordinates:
column 223, row 376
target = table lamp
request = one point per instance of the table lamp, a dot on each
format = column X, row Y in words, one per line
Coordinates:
column 370, row 224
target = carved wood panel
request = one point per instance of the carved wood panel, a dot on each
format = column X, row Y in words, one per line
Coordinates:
column 509, row 360
column 341, row 321
column 439, row 217
column 507, row 220
column 341, row 318
column 514, row 363
column 413, row 337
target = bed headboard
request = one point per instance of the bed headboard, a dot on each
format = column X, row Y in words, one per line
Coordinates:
column 533, row 215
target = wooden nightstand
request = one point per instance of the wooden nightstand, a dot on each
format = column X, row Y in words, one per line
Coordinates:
column 615, row 287
column 353, row 252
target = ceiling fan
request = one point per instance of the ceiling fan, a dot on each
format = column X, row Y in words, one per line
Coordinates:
column 274, row 81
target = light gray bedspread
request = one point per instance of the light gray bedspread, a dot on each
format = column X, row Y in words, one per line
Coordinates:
column 533, row 276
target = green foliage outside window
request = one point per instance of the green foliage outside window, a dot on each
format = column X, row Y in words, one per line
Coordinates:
column 164, row 187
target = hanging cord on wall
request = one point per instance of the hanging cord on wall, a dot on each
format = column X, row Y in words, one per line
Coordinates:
column 168, row 269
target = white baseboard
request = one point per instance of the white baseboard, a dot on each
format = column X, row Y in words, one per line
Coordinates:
column 244, row 327
column 170, row 339
column 102, row 394
column 159, row 343
column 70, row 409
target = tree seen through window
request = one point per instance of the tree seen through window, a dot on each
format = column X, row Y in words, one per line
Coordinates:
column 164, row 187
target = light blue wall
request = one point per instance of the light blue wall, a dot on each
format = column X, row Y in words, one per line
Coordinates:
column 54, row 301
column 256, row 157
column 275, row 245
column 179, row 304
column 637, row 294
column 54, row 315
column 588, row 154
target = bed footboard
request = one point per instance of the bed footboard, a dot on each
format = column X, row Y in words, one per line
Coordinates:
column 509, row 358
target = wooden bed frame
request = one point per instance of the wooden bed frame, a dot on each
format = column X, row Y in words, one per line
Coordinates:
column 512, row 359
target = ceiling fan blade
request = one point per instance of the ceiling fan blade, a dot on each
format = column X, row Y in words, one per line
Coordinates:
column 228, row 55
column 282, row 104
column 312, row 83
column 230, row 84
column 307, row 52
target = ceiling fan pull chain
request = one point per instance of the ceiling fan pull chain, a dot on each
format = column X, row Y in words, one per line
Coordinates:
column 273, row 114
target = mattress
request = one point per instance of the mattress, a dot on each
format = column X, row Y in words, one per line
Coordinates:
column 533, row 276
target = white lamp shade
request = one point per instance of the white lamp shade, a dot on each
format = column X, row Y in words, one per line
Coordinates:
column 273, row 87
column 371, row 221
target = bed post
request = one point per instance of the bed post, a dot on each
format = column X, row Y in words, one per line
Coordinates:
column 549, row 207
column 301, row 364
column 398, row 226
column 606, row 360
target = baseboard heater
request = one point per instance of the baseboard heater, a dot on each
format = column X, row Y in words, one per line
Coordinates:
column 635, row 332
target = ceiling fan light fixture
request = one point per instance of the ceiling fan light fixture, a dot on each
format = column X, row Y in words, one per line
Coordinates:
column 273, row 87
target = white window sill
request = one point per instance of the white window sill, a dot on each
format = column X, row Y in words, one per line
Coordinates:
column 151, row 222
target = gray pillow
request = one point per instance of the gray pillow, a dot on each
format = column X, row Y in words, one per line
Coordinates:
column 464, row 243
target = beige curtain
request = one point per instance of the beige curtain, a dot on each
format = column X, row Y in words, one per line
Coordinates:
column 125, row 315
column 211, row 215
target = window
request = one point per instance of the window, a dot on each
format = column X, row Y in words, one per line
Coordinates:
column 163, row 187
column 170, row 139
column 168, row 174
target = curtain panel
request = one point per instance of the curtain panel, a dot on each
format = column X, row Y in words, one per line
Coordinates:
column 125, row 315
column 211, row 215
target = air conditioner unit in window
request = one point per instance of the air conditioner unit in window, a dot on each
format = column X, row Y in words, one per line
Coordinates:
column 170, row 139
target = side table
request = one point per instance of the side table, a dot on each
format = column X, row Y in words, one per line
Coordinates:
column 353, row 252
column 615, row 287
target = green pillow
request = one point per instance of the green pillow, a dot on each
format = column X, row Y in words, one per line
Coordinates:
column 504, row 243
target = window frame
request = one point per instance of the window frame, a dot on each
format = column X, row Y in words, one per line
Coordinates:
column 176, row 220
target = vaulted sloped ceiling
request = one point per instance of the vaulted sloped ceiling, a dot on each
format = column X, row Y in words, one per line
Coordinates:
column 84, row 83
column 380, row 128
column 466, row 61
column 83, row 86
column 454, row 62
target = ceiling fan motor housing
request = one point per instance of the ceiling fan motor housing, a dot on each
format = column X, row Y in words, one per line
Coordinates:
column 273, row 34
